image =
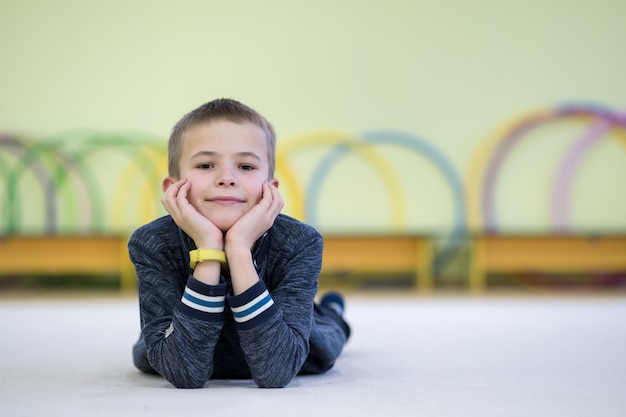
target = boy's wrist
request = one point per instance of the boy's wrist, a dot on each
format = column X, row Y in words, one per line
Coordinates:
column 235, row 249
column 204, row 255
column 210, row 243
column 207, row 272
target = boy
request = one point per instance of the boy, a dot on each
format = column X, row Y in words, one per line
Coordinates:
column 226, row 283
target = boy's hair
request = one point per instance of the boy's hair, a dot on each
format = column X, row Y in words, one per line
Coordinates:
column 220, row 109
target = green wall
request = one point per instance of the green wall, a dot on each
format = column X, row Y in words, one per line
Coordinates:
column 449, row 73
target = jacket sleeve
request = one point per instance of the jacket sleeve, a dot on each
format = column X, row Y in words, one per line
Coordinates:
column 180, row 322
column 274, row 328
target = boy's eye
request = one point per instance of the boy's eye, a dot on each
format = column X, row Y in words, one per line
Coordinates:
column 246, row 167
column 205, row 166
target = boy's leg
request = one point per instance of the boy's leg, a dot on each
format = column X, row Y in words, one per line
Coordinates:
column 328, row 336
column 332, row 304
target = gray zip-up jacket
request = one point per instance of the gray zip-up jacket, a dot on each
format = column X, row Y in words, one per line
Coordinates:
column 191, row 332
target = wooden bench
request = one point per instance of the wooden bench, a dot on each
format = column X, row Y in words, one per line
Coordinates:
column 551, row 253
column 380, row 254
column 98, row 255
column 59, row 254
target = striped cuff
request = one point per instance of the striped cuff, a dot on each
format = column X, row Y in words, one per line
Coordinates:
column 202, row 301
column 253, row 306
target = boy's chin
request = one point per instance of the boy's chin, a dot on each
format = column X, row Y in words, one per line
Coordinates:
column 223, row 224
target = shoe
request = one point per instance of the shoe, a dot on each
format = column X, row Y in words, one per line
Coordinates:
column 334, row 301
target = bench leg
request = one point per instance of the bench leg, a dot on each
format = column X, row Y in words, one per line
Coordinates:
column 424, row 275
column 477, row 281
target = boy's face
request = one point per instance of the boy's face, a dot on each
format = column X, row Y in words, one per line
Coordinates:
column 226, row 164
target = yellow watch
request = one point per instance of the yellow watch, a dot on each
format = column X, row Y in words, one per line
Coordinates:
column 201, row 255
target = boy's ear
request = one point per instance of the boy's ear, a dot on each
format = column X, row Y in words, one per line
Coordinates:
column 167, row 181
column 274, row 182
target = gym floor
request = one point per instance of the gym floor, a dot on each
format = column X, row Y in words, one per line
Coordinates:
column 452, row 355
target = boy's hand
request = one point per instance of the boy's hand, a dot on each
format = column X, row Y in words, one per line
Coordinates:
column 203, row 232
column 257, row 221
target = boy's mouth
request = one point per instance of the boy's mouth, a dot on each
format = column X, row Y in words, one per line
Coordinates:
column 225, row 200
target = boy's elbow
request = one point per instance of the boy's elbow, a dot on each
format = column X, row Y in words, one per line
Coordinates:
column 181, row 377
column 273, row 385
column 187, row 380
column 280, row 381
column 189, row 384
column 279, row 376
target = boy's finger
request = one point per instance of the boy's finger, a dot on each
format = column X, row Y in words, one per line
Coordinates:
column 183, row 189
column 172, row 190
column 273, row 190
column 277, row 200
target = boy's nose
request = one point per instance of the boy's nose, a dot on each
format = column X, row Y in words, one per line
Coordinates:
column 224, row 182
column 226, row 179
